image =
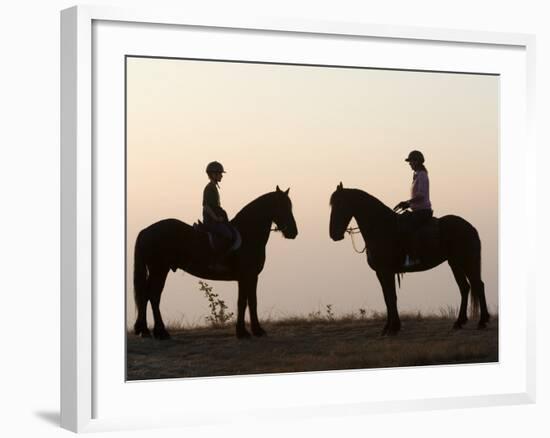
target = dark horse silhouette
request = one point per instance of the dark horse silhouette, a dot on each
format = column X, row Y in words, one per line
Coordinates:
column 458, row 243
column 172, row 244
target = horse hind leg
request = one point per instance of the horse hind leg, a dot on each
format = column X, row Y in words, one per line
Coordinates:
column 464, row 288
column 479, row 287
column 157, row 280
column 140, row 327
column 141, row 294
column 478, row 293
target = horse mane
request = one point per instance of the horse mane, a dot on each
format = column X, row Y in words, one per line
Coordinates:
column 355, row 194
column 363, row 200
column 372, row 201
column 259, row 204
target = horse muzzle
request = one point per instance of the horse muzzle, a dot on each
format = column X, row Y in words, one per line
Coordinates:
column 290, row 234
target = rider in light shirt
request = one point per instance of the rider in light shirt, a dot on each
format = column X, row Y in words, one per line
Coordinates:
column 419, row 202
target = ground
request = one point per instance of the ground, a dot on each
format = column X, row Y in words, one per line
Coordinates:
column 297, row 345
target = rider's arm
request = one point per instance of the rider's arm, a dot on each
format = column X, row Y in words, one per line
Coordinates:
column 416, row 198
column 420, row 188
column 210, row 201
column 418, row 191
column 211, row 213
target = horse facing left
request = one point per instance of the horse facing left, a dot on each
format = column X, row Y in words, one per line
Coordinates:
column 173, row 244
column 459, row 244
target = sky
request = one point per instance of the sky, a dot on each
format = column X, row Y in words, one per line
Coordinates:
column 308, row 128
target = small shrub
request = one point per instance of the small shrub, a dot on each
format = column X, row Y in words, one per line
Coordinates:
column 314, row 316
column 330, row 313
column 219, row 316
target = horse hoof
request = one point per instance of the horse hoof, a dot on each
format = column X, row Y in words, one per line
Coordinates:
column 457, row 325
column 161, row 335
column 144, row 333
column 243, row 334
column 482, row 326
column 259, row 332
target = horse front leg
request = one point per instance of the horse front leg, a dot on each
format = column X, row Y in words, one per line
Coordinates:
column 251, row 287
column 393, row 323
column 241, row 308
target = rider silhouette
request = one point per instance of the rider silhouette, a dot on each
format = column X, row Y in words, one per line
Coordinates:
column 214, row 216
column 419, row 202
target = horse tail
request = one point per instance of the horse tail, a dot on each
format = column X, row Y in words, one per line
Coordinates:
column 463, row 246
column 140, row 270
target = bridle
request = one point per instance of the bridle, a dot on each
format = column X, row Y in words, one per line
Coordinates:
column 351, row 231
column 279, row 230
column 355, row 230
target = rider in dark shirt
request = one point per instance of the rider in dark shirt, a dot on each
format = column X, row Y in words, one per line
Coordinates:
column 214, row 216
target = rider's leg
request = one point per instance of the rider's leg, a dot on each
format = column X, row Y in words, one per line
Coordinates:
column 223, row 230
column 416, row 220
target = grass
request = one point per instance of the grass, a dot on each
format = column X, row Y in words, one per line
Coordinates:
column 318, row 341
column 211, row 321
column 297, row 344
column 312, row 317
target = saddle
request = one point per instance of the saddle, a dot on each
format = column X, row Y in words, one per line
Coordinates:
column 419, row 243
column 220, row 244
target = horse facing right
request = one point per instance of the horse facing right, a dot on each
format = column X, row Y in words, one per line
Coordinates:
column 173, row 244
column 458, row 243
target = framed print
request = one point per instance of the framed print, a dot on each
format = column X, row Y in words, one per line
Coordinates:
column 238, row 217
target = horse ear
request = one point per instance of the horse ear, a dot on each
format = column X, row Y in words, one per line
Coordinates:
column 278, row 189
column 287, row 190
column 340, row 186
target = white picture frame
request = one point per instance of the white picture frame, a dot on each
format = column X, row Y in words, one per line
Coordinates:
column 90, row 399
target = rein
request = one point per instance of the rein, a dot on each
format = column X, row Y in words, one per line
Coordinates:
column 355, row 230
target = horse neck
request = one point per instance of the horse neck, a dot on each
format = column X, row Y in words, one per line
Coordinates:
column 255, row 219
column 372, row 216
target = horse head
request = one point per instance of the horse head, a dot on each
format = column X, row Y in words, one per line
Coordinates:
column 282, row 214
column 340, row 214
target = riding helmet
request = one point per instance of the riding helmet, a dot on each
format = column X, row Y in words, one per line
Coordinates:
column 215, row 167
column 415, row 156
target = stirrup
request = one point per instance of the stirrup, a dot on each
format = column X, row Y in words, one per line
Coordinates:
column 410, row 262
